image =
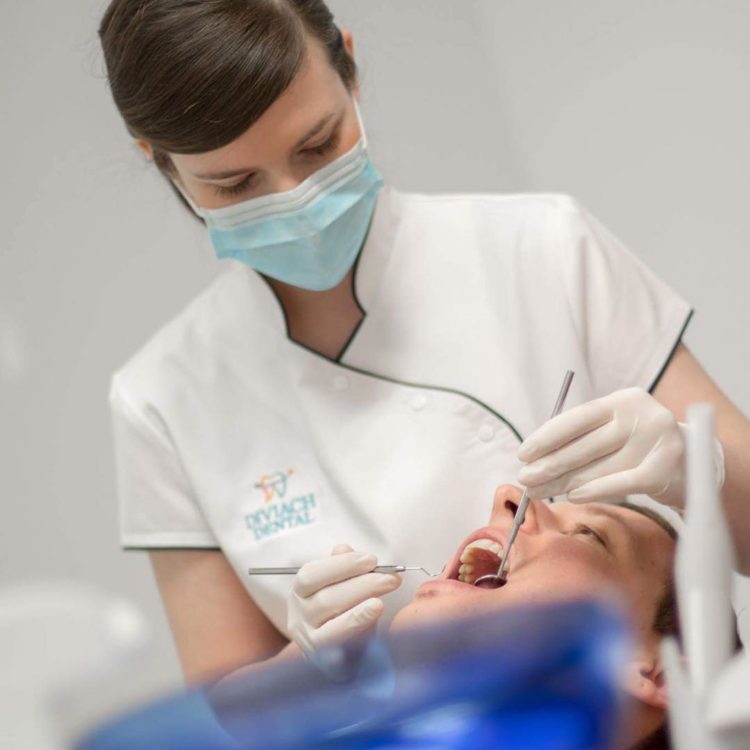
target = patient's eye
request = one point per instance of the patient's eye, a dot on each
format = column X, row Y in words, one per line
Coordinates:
column 584, row 530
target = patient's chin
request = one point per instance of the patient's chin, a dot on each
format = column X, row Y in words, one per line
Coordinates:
column 434, row 604
column 432, row 608
column 416, row 614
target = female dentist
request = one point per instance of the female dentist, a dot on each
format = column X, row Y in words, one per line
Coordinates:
column 367, row 368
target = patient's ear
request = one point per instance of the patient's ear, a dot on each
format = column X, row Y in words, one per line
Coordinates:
column 645, row 680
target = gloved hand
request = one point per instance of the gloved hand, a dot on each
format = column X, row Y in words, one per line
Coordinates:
column 334, row 601
column 624, row 443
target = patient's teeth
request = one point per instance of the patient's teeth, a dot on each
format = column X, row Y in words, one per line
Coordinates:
column 471, row 556
column 464, row 573
column 488, row 544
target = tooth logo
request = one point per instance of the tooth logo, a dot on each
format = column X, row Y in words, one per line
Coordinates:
column 274, row 485
column 271, row 518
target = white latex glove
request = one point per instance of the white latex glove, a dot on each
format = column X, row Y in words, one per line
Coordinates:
column 624, row 443
column 335, row 600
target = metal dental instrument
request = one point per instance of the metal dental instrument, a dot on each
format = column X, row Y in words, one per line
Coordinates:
column 379, row 569
column 521, row 510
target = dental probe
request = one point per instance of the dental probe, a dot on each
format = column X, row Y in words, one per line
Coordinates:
column 294, row 570
column 521, row 510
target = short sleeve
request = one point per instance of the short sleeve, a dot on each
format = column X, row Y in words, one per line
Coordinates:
column 157, row 508
column 628, row 320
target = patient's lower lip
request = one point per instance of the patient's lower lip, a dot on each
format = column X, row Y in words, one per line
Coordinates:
column 446, row 583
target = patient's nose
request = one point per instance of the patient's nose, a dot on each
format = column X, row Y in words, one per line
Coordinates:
column 505, row 505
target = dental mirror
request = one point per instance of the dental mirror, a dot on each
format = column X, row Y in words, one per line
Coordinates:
column 495, row 580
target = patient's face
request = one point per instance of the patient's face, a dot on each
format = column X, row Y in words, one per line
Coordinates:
column 563, row 551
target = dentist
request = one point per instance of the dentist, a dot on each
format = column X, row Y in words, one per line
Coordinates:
column 369, row 363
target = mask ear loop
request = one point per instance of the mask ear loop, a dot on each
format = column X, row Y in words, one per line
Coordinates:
column 197, row 210
column 363, row 132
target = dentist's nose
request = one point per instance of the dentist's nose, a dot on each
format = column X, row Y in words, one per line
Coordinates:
column 286, row 182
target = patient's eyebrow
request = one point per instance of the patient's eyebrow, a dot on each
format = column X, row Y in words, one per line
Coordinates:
column 625, row 529
column 598, row 510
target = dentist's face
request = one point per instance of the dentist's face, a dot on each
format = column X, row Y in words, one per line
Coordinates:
column 563, row 551
column 312, row 123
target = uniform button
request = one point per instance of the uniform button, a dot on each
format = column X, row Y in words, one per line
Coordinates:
column 418, row 402
column 340, row 383
column 486, row 433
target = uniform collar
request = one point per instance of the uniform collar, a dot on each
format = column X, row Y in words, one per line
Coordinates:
column 368, row 273
column 376, row 252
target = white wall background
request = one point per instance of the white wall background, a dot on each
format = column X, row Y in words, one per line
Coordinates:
column 638, row 108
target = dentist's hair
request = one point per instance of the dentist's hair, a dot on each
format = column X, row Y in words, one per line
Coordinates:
column 190, row 76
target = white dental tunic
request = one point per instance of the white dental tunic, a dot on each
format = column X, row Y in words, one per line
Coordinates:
column 231, row 436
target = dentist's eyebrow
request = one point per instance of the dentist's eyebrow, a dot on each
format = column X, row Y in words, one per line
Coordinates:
column 224, row 175
column 314, row 130
column 317, row 128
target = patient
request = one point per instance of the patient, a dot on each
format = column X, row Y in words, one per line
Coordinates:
column 563, row 551
column 567, row 551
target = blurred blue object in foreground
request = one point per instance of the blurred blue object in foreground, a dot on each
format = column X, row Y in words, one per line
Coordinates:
column 542, row 677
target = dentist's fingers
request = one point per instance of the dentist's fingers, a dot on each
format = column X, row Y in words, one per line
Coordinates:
column 608, row 487
column 350, row 624
column 622, row 473
column 557, row 432
column 612, row 464
column 599, row 443
column 641, row 448
column 336, row 599
column 317, row 574
column 647, row 478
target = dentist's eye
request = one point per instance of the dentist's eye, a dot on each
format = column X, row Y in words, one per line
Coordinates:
column 234, row 189
column 331, row 144
column 584, row 530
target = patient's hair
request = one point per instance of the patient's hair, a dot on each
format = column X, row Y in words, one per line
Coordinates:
column 658, row 740
column 666, row 623
column 666, row 620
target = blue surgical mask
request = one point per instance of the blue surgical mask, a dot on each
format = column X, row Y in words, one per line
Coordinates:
column 309, row 236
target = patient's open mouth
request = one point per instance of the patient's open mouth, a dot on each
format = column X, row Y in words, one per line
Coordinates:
column 479, row 558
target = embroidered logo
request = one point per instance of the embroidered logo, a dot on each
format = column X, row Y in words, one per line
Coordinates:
column 274, row 484
column 278, row 514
